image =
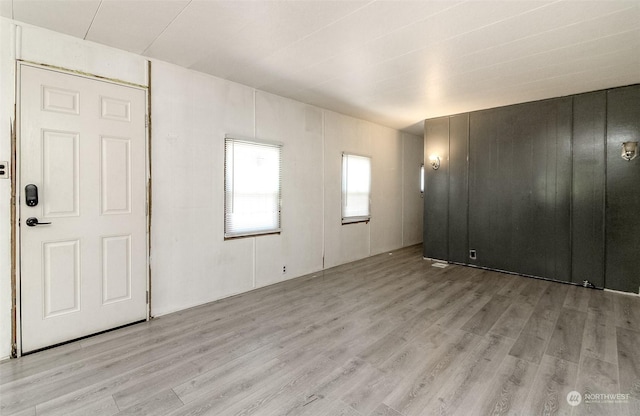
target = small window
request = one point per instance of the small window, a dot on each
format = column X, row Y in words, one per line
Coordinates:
column 356, row 188
column 422, row 179
column 251, row 188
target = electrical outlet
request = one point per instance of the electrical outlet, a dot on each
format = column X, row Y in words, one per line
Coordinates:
column 473, row 255
column 4, row 170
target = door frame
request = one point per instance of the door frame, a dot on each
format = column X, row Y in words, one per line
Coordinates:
column 16, row 316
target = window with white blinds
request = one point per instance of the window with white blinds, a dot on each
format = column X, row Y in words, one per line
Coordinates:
column 356, row 188
column 251, row 188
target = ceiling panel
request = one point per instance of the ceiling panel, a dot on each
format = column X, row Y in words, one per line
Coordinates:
column 271, row 27
column 201, row 27
column 6, row 8
column 349, row 35
column 392, row 62
column 69, row 17
column 133, row 25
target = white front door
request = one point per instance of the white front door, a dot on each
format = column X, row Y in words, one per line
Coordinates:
column 82, row 147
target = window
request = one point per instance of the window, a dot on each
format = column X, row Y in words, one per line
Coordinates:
column 251, row 188
column 422, row 179
column 356, row 188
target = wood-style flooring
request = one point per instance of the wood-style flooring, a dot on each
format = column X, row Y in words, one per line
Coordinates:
column 388, row 335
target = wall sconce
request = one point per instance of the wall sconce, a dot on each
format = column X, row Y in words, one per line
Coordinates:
column 434, row 161
column 629, row 150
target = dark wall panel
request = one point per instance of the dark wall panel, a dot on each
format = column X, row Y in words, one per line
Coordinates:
column 589, row 127
column 482, row 178
column 519, row 188
column 623, row 192
column 458, row 202
column 436, row 192
column 547, row 193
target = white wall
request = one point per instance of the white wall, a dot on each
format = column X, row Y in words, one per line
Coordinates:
column 191, row 113
column 191, row 262
column 412, row 207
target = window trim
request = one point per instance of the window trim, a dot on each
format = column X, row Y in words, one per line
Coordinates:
column 241, row 139
column 360, row 218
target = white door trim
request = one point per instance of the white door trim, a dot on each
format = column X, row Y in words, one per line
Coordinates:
column 17, row 321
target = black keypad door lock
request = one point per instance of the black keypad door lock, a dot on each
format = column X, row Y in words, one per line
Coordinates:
column 31, row 195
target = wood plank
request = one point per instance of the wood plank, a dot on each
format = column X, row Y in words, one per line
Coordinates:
column 533, row 290
column 512, row 285
column 566, row 341
column 512, row 322
column 578, row 298
column 554, row 380
column 466, row 382
column 340, row 409
column 414, row 391
column 629, row 367
column 273, row 397
column 458, row 313
column 533, row 340
column 162, row 402
column 599, row 339
column 627, row 312
column 365, row 395
column 597, row 378
column 507, row 391
column 384, row 410
column 601, row 303
column 487, row 316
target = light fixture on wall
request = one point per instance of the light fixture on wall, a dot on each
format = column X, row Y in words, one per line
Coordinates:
column 629, row 150
column 434, row 161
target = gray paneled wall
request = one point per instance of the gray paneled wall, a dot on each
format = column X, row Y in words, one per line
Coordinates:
column 436, row 206
column 519, row 198
column 458, row 189
column 623, row 192
column 589, row 124
column 525, row 186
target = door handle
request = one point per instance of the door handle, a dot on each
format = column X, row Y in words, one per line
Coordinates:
column 33, row 221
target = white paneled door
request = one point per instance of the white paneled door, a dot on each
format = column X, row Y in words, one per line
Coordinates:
column 83, row 255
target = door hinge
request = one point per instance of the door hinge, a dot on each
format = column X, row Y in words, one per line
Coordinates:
column 147, row 297
column 146, row 120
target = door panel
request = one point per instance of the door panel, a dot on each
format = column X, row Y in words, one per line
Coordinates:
column 61, row 277
column 82, row 143
column 115, row 181
column 116, row 269
column 60, row 174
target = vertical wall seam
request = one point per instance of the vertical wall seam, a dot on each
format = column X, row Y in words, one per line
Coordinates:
column 149, row 188
column 604, row 185
column 448, row 258
column 466, row 253
column 322, row 139
column 571, row 175
column 255, row 130
column 402, row 193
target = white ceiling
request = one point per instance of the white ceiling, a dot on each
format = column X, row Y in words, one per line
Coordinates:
column 391, row 62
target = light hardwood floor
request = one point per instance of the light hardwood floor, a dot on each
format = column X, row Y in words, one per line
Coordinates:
column 388, row 335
